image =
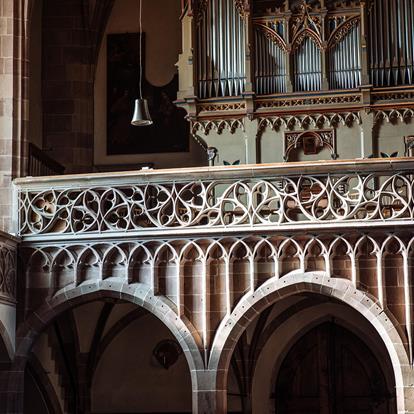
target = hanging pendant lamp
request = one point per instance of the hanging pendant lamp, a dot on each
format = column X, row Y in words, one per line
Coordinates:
column 141, row 115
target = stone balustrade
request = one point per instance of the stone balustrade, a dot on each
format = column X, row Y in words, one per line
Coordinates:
column 206, row 249
column 279, row 197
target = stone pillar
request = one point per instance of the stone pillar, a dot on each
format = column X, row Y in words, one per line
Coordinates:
column 186, row 60
column 209, row 392
column 367, row 134
column 406, row 393
column 13, row 100
column 12, row 388
column 251, row 142
column 8, row 265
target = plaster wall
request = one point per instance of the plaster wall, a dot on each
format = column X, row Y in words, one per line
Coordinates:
column 237, row 145
column 162, row 28
column 232, row 147
column 391, row 136
column 86, row 326
column 117, row 313
column 129, row 380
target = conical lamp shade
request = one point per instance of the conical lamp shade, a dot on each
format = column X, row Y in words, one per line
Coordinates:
column 141, row 116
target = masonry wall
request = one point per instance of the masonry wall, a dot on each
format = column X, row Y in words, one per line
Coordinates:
column 67, row 84
column 35, row 135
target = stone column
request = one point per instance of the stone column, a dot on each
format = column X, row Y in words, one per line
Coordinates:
column 251, row 141
column 187, row 65
column 12, row 387
column 209, row 392
column 367, row 134
column 13, row 100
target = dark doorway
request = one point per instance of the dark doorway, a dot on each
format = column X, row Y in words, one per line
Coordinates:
column 331, row 371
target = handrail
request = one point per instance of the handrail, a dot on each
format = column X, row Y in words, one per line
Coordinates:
column 221, row 172
column 42, row 164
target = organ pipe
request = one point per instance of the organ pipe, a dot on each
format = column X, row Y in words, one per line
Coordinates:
column 345, row 61
column 221, row 47
column 221, row 44
column 307, row 66
column 270, row 65
column 392, row 42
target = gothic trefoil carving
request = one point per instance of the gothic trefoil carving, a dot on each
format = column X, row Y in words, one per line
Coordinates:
column 306, row 121
column 218, row 125
column 391, row 115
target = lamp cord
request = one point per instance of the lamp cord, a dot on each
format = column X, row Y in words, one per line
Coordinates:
column 140, row 49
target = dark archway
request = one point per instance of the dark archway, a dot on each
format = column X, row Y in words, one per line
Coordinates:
column 100, row 356
column 329, row 370
column 143, row 298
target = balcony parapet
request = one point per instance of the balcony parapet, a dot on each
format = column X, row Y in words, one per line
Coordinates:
column 217, row 200
column 8, row 266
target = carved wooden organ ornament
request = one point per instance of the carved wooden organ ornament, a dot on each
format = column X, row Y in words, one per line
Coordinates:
column 310, row 142
column 284, row 46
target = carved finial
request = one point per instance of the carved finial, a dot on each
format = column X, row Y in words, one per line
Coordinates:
column 304, row 7
column 243, row 7
column 198, row 9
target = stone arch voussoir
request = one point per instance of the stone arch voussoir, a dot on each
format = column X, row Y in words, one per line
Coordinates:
column 342, row 290
column 139, row 294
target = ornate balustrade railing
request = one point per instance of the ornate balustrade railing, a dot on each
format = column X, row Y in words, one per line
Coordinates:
column 218, row 199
